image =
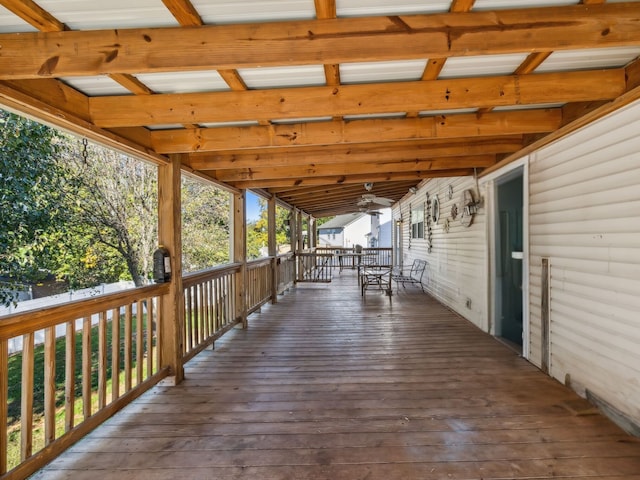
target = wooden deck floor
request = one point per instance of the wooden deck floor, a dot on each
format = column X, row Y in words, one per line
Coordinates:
column 324, row 385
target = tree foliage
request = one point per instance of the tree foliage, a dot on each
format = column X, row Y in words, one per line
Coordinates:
column 32, row 192
column 258, row 231
column 205, row 225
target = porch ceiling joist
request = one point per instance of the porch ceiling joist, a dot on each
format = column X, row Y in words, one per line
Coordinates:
column 371, row 153
column 123, row 111
column 325, row 41
column 356, row 131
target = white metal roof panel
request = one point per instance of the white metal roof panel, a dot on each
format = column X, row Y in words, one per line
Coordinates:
column 377, row 72
column 9, row 23
column 97, row 85
column 230, row 124
column 94, row 15
column 184, row 82
column 247, row 11
column 350, row 8
column 461, row 67
column 510, row 4
column 281, row 77
column 287, row 121
column 431, row 113
column 568, row 60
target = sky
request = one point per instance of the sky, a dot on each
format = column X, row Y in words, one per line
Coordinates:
column 253, row 208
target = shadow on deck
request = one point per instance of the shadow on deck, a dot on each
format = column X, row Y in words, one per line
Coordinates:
column 326, row 385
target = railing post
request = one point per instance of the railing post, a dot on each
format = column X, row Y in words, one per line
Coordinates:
column 273, row 247
column 170, row 236
column 239, row 254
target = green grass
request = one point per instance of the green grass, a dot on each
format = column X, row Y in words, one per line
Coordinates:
column 15, row 382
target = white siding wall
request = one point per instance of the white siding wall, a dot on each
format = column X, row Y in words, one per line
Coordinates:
column 585, row 217
column 457, row 262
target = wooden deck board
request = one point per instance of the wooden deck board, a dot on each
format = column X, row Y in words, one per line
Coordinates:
column 328, row 385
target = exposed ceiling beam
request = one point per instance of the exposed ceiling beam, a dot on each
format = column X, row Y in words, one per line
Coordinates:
column 328, row 41
column 349, row 179
column 34, row 15
column 312, row 170
column 355, row 154
column 124, row 111
column 356, row 131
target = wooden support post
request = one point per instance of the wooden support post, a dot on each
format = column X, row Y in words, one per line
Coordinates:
column 170, row 236
column 273, row 247
column 313, row 232
column 239, row 254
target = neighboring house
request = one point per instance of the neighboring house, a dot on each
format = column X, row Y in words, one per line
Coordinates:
column 345, row 231
column 551, row 260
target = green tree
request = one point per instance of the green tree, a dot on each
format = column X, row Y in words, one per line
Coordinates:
column 114, row 210
column 32, row 192
column 258, row 233
column 205, row 225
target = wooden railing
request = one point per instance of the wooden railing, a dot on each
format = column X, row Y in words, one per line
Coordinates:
column 210, row 307
column 65, row 369
column 315, row 267
column 259, row 283
column 286, row 271
column 378, row 256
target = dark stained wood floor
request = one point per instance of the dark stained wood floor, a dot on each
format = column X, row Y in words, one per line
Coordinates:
column 324, row 385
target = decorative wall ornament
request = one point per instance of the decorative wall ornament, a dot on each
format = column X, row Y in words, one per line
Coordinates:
column 469, row 208
column 445, row 225
column 450, row 192
column 454, row 211
column 429, row 222
column 435, row 209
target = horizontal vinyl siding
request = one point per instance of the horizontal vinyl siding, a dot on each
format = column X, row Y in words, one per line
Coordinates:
column 457, row 261
column 584, row 214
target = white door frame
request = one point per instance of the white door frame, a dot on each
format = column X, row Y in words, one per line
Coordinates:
column 490, row 182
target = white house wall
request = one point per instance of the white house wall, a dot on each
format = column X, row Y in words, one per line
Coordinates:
column 457, row 261
column 585, row 218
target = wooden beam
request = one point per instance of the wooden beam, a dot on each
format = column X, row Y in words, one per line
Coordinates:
column 330, row 41
column 310, row 170
column 354, row 154
column 356, row 131
column 123, row 111
column 184, row 12
column 347, row 179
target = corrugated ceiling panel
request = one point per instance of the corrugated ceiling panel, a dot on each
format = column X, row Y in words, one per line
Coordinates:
column 229, row 124
column 460, row 67
column 587, row 59
column 280, row 77
column 509, row 4
column 96, row 85
column 287, row 121
column 375, row 72
column 200, row 81
column 430, row 113
column 351, row 8
column 231, row 11
column 87, row 15
column 9, row 23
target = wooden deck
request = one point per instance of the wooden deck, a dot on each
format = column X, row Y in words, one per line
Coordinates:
column 326, row 385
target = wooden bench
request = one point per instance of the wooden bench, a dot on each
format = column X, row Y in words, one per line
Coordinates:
column 414, row 277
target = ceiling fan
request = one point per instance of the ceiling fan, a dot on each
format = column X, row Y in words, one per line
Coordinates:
column 369, row 203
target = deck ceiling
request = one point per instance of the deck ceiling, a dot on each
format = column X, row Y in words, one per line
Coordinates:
column 310, row 100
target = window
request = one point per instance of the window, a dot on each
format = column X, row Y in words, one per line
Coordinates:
column 417, row 221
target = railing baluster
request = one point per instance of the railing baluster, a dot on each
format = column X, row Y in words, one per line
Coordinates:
column 188, row 345
column 49, row 385
column 128, row 340
column 70, row 376
column 102, row 361
column 150, row 324
column 86, row 367
column 26, row 409
column 115, row 354
column 139, row 342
